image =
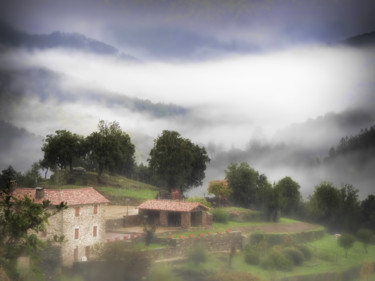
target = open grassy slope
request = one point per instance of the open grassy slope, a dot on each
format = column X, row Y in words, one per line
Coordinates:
column 117, row 189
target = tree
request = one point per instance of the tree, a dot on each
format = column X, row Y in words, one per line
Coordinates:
column 324, row 203
column 20, row 220
column 290, row 197
column 177, row 162
column 8, row 178
column 349, row 207
column 365, row 236
column 243, row 180
column 31, row 177
column 219, row 188
column 110, row 148
column 368, row 212
column 346, row 241
column 60, row 149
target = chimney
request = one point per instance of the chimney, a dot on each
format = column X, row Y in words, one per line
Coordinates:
column 39, row 192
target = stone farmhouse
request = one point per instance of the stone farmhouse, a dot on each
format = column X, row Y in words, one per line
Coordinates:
column 82, row 223
column 174, row 213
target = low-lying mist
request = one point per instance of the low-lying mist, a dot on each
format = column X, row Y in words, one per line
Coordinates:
column 241, row 108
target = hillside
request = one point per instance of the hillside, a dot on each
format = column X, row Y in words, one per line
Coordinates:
column 118, row 189
column 12, row 37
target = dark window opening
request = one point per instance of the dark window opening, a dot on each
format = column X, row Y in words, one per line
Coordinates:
column 174, row 219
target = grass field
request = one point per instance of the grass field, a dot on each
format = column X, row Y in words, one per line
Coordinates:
column 328, row 257
column 117, row 189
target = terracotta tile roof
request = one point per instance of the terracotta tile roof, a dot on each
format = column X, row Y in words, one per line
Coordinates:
column 79, row 196
column 171, row 206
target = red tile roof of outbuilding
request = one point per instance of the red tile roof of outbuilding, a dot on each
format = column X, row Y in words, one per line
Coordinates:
column 79, row 196
column 171, row 206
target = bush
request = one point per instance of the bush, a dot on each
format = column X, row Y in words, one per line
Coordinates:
column 197, row 254
column 220, row 215
column 201, row 200
column 252, row 258
column 305, row 251
column 276, row 260
column 295, row 255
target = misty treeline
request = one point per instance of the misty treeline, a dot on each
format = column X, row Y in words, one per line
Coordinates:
column 361, row 146
column 174, row 162
column 338, row 208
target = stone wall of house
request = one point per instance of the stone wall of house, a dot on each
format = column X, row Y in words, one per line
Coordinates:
column 185, row 220
column 163, row 218
column 67, row 223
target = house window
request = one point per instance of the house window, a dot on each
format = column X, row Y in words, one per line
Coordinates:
column 95, row 231
column 76, row 233
column 95, row 209
column 77, row 211
column 75, row 254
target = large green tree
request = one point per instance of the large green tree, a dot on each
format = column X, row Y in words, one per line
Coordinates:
column 111, row 149
column 290, row 197
column 177, row 162
column 324, row 203
column 246, row 184
column 60, row 149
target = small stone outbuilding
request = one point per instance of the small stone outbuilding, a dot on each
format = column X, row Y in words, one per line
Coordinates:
column 174, row 213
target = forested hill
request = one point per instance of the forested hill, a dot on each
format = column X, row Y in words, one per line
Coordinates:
column 11, row 37
column 363, row 143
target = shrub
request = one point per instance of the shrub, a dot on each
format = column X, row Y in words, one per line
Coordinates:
column 295, row 255
column 201, row 200
column 305, row 251
column 197, row 254
column 252, row 258
column 220, row 215
column 276, row 260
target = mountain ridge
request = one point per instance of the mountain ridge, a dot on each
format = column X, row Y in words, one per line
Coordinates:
column 10, row 36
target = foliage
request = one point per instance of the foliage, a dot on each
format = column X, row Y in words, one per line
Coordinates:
column 31, row 178
column 337, row 208
column 252, row 257
column 60, row 149
column 324, row 202
column 8, row 178
column 364, row 141
column 111, row 149
column 201, row 200
column 290, row 196
column 242, row 180
column 20, row 220
column 197, row 254
column 219, row 188
column 220, row 215
column 368, row 212
column 365, row 236
column 295, row 255
column 305, row 250
column 346, row 241
column 275, row 259
column 123, row 264
column 177, row 162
